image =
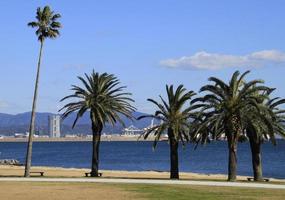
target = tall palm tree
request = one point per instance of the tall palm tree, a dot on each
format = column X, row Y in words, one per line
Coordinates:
column 106, row 102
column 47, row 27
column 225, row 110
column 174, row 115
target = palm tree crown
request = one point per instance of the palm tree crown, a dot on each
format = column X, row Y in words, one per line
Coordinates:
column 102, row 97
column 46, row 24
column 173, row 114
column 226, row 106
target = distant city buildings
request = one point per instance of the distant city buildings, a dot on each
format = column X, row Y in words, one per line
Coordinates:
column 132, row 131
column 21, row 135
column 54, row 126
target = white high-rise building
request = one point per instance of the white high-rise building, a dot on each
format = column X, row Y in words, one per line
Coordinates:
column 54, row 126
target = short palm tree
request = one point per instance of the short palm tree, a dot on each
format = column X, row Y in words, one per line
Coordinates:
column 261, row 130
column 225, row 110
column 106, row 102
column 47, row 27
column 174, row 115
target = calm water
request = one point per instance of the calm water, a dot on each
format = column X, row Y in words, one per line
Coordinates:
column 211, row 158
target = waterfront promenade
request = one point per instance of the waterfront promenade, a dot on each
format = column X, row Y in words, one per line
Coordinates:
column 147, row 181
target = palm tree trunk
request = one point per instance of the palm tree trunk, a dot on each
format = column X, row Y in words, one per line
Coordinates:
column 174, row 170
column 33, row 116
column 256, row 158
column 95, row 155
column 232, row 165
column 95, row 148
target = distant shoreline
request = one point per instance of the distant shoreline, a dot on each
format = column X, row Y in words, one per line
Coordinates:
column 108, row 138
column 104, row 138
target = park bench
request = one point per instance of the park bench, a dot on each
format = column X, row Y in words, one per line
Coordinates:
column 89, row 174
column 252, row 179
column 40, row 173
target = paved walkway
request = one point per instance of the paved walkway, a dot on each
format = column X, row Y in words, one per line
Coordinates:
column 147, row 181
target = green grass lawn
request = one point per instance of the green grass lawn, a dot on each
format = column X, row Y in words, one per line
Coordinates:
column 203, row 192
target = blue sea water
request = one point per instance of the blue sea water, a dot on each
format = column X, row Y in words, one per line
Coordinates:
column 139, row 156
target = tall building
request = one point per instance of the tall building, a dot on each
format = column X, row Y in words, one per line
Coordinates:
column 54, row 126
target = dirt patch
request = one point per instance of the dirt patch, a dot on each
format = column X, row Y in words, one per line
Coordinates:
column 62, row 191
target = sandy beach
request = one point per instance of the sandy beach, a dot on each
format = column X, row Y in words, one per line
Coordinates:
column 11, row 171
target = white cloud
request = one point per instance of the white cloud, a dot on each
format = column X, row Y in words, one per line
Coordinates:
column 214, row 61
column 3, row 104
column 74, row 66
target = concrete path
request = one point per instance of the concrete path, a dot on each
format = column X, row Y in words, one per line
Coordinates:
column 146, row 181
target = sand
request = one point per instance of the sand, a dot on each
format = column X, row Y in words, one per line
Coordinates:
column 10, row 171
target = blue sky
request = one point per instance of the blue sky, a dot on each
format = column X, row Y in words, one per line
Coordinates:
column 146, row 43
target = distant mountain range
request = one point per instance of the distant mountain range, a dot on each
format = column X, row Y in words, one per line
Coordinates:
column 19, row 123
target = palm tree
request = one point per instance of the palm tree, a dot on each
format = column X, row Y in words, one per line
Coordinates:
column 106, row 103
column 225, row 110
column 261, row 130
column 47, row 27
column 174, row 116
